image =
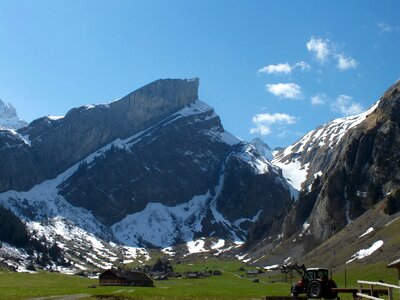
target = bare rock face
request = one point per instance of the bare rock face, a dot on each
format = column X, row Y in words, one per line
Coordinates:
column 158, row 158
column 358, row 170
column 50, row 146
column 365, row 168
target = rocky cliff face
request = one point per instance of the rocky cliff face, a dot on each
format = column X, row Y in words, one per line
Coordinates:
column 312, row 155
column 155, row 168
column 365, row 168
column 342, row 170
column 46, row 147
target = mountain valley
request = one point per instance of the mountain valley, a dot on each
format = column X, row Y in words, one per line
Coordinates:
column 155, row 172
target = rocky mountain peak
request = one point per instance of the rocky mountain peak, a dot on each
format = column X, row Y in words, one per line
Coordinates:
column 56, row 144
column 262, row 148
column 8, row 116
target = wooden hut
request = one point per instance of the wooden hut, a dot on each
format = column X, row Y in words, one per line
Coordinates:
column 124, row 277
column 395, row 265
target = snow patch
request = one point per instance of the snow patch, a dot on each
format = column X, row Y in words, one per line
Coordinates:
column 54, row 118
column 366, row 252
column 196, row 246
column 369, row 230
column 287, row 260
column 238, row 222
column 272, row 267
column 294, row 172
column 229, row 138
column 169, row 251
column 304, row 229
column 217, row 245
column 160, row 225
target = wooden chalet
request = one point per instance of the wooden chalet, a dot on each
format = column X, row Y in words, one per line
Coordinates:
column 395, row 265
column 124, row 277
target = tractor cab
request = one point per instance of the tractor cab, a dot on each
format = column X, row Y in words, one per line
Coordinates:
column 317, row 273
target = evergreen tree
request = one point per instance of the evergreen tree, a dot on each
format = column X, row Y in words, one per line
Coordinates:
column 12, row 229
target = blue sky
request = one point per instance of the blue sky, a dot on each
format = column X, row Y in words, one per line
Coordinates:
column 273, row 69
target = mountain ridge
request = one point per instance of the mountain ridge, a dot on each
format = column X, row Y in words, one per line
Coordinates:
column 341, row 181
column 182, row 175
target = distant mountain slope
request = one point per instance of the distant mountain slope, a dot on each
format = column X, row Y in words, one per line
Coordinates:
column 9, row 118
column 262, row 148
column 155, row 168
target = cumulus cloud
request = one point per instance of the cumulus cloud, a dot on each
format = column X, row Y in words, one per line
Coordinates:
column 319, row 99
column 324, row 51
column 321, row 48
column 384, row 27
column 263, row 122
column 345, row 63
column 285, row 90
column 284, row 68
column 276, row 69
column 346, row 106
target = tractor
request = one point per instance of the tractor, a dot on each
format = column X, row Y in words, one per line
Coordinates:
column 315, row 282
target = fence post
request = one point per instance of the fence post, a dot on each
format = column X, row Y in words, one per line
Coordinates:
column 390, row 294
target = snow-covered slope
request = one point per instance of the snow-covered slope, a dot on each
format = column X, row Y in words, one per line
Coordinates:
column 9, row 118
column 306, row 159
column 172, row 182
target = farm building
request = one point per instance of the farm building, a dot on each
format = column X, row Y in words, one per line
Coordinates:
column 395, row 265
column 124, row 277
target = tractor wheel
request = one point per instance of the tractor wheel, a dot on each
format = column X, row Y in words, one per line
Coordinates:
column 294, row 291
column 315, row 290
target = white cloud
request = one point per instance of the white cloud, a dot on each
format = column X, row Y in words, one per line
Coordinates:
column 319, row 99
column 284, row 68
column 384, row 27
column 345, row 63
column 346, row 106
column 260, row 129
column 263, row 122
column 321, row 48
column 302, row 65
column 285, row 90
column 276, row 69
column 324, row 50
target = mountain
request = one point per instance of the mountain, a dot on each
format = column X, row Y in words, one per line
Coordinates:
column 153, row 169
column 9, row 118
column 345, row 170
column 311, row 156
column 262, row 148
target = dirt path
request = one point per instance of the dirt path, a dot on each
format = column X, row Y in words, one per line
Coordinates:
column 64, row 297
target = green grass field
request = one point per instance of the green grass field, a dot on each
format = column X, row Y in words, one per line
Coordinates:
column 230, row 285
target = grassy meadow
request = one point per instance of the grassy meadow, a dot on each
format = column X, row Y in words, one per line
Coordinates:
column 232, row 284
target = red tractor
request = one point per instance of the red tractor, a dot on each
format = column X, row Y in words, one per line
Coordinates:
column 315, row 282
